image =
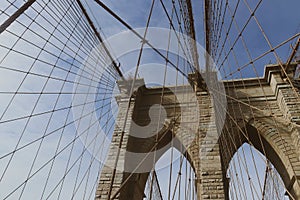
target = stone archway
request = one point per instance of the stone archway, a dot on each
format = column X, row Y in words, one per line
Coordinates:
column 270, row 128
column 273, row 143
column 140, row 148
column 252, row 176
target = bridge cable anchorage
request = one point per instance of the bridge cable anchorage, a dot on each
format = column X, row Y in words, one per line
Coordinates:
column 187, row 14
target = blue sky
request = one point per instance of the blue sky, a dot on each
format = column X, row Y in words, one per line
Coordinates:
column 280, row 20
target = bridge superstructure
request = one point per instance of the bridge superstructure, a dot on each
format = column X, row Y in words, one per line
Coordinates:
column 59, row 74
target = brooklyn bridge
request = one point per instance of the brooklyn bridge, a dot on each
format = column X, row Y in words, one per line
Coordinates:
column 153, row 99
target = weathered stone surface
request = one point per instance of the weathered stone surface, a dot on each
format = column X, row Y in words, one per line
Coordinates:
column 264, row 112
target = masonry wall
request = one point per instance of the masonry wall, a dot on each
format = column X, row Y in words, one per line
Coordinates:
column 264, row 112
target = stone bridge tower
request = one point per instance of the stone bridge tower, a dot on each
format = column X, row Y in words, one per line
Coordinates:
column 248, row 119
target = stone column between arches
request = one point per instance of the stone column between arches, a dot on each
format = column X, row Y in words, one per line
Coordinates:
column 276, row 120
column 201, row 152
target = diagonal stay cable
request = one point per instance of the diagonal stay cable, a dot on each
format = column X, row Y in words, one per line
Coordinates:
column 100, row 39
column 13, row 17
column 139, row 35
